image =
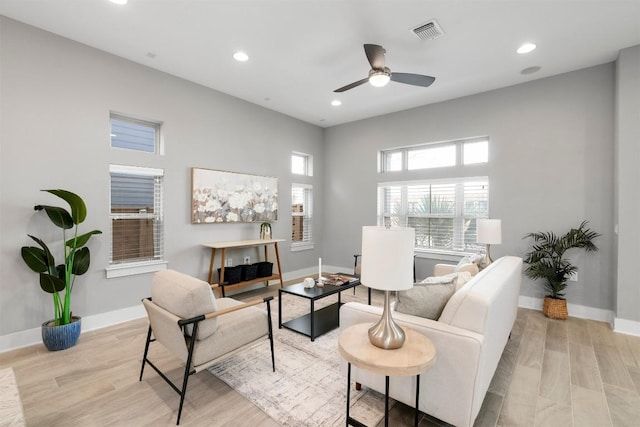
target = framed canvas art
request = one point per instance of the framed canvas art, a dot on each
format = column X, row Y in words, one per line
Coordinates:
column 219, row 196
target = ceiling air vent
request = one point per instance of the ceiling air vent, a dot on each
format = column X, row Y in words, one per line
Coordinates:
column 428, row 31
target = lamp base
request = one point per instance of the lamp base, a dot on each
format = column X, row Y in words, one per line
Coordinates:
column 386, row 333
column 487, row 258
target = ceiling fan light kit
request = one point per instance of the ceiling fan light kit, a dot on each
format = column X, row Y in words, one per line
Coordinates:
column 380, row 75
column 379, row 78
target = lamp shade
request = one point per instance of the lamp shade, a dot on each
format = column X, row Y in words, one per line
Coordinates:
column 489, row 231
column 387, row 258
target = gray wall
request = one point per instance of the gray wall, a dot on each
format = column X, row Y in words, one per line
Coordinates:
column 627, row 178
column 550, row 167
column 56, row 98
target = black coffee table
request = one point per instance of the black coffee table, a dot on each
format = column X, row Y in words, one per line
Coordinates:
column 315, row 323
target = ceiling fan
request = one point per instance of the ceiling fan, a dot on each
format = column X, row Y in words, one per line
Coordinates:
column 379, row 75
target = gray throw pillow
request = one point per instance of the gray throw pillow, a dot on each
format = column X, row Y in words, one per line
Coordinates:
column 425, row 300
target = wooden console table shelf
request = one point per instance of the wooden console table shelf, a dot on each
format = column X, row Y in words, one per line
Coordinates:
column 242, row 244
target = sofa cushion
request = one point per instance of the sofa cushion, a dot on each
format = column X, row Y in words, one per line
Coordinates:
column 425, row 300
column 186, row 297
column 459, row 278
column 470, row 267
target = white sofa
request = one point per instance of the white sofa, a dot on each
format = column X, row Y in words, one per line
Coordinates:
column 469, row 337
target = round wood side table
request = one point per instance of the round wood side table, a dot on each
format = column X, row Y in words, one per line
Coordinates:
column 416, row 356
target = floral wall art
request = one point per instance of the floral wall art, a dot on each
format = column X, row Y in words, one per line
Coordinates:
column 219, row 196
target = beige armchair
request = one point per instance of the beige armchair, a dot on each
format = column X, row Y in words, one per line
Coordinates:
column 187, row 319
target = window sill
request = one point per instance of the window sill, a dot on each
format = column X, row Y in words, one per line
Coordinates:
column 442, row 255
column 131, row 268
column 295, row 247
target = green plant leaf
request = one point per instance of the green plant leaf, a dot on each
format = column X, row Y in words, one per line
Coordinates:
column 59, row 216
column 81, row 261
column 51, row 284
column 83, row 239
column 78, row 208
column 50, row 261
column 35, row 258
column 546, row 257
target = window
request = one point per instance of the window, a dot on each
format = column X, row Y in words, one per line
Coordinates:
column 133, row 134
column 475, row 152
column 301, row 164
column 436, row 155
column 443, row 212
column 301, row 217
column 137, row 230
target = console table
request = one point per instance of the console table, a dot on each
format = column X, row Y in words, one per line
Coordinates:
column 242, row 244
column 416, row 356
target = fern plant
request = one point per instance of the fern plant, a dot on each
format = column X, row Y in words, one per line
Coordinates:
column 546, row 259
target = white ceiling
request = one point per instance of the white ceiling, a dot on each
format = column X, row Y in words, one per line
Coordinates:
column 301, row 50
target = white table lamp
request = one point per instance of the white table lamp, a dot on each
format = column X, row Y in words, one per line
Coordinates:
column 489, row 232
column 387, row 265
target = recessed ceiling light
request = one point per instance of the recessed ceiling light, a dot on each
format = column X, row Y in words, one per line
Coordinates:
column 240, row 56
column 526, row 48
column 120, row 2
column 530, row 70
column 336, row 103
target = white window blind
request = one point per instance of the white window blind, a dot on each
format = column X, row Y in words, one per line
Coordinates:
column 301, row 214
column 137, row 222
column 134, row 134
column 443, row 212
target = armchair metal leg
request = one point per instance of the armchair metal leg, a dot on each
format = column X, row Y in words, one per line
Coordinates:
column 187, row 373
column 146, row 350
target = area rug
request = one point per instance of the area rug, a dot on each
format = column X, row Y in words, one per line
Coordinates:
column 308, row 387
column 11, row 413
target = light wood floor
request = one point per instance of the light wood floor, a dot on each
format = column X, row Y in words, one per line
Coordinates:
column 552, row 373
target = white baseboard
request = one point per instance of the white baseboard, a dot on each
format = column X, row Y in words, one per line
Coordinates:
column 624, row 326
column 575, row 310
column 89, row 323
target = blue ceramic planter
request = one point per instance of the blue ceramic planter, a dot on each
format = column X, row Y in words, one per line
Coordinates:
column 61, row 337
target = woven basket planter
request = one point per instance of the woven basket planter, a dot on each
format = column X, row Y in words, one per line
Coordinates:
column 555, row 308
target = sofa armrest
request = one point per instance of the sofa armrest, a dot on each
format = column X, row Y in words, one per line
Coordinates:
column 443, row 269
column 448, row 389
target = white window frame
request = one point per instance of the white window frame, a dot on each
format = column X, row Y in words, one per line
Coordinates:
column 126, row 268
column 458, row 218
column 158, row 142
column 383, row 157
column 308, row 163
column 308, row 214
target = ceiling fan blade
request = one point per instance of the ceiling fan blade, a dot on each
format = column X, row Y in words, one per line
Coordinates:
column 375, row 55
column 412, row 79
column 352, row 85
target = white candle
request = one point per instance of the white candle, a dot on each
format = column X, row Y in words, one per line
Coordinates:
column 319, row 268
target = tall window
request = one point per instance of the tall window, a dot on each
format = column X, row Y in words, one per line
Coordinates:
column 436, row 155
column 301, row 217
column 134, row 134
column 301, row 164
column 443, row 212
column 137, row 231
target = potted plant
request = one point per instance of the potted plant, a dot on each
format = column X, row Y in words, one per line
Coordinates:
column 546, row 261
column 63, row 331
